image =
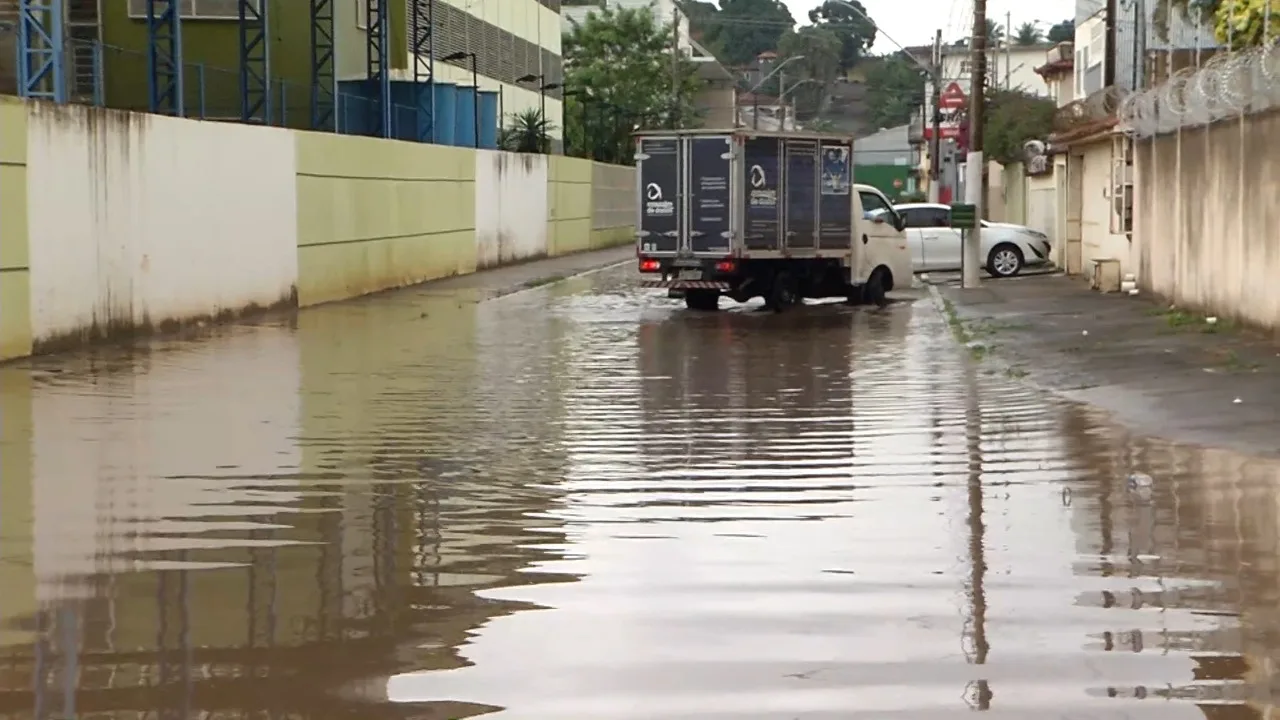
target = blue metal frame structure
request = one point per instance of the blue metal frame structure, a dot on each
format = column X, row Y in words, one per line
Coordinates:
column 42, row 67
column 424, row 43
column 377, row 57
column 324, row 78
column 164, row 57
column 255, row 61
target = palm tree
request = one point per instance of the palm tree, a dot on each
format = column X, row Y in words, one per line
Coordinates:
column 995, row 33
column 1028, row 34
column 528, row 132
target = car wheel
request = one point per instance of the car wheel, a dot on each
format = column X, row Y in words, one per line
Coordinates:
column 1005, row 260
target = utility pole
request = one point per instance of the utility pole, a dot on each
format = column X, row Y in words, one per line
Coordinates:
column 781, row 115
column 675, row 65
column 1109, row 63
column 1008, row 51
column 973, row 170
column 935, row 144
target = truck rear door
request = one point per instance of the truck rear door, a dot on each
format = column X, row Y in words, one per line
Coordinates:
column 835, row 205
column 801, row 213
column 660, row 168
column 710, row 196
column 761, row 186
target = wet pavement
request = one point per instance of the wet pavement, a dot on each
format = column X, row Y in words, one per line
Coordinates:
column 581, row 501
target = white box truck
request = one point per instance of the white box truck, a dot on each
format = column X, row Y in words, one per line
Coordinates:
column 748, row 213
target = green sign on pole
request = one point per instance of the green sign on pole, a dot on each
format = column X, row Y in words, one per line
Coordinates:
column 964, row 216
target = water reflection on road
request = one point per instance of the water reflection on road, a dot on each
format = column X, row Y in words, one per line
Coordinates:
column 579, row 502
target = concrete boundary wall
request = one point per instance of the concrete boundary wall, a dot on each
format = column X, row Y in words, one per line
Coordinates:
column 139, row 221
column 116, row 223
column 511, row 207
column 1206, row 220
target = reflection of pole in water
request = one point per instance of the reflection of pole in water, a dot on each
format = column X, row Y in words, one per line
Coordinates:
column 977, row 531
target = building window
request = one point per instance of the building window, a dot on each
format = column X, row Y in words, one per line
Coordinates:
column 196, row 9
column 500, row 55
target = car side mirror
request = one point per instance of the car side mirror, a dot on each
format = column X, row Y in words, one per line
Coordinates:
column 900, row 223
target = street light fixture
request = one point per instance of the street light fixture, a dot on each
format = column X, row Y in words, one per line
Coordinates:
column 755, row 101
column 475, row 90
column 543, row 87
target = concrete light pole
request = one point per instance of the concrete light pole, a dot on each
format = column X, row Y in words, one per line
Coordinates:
column 755, row 101
column 971, row 260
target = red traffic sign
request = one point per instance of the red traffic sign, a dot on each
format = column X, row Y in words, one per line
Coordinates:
column 953, row 97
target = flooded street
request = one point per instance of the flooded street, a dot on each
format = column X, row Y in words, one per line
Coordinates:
column 580, row 501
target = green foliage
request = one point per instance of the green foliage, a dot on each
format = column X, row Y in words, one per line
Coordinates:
column 528, row 132
column 895, row 90
column 1064, row 31
column 618, row 66
column 1027, row 34
column 743, row 29
column 995, row 33
column 852, row 26
column 1243, row 23
column 821, row 49
column 1012, row 118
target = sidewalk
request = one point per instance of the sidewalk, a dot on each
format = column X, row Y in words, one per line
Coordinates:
column 1165, row 372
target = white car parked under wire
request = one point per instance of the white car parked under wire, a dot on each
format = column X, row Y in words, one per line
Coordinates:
column 935, row 246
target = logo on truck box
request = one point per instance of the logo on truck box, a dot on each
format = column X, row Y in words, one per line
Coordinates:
column 654, row 205
column 761, row 196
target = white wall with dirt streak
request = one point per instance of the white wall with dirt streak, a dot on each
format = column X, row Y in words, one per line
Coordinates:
column 511, row 207
column 139, row 220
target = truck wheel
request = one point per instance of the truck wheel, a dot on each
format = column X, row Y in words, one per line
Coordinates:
column 705, row 300
column 782, row 294
column 873, row 290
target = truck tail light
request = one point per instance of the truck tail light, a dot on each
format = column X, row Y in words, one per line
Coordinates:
column 649, row 265
column 726, row 267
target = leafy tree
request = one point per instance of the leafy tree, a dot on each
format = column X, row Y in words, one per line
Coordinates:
column 1064, row 31
column 1243, row 23
column 702, row 18
column 1012, row 118
column 620, row 60
column 856, row 31
column 1027, row 34
column 745, row 28
column 528, row 132
column 821, row 49
column 895, row 90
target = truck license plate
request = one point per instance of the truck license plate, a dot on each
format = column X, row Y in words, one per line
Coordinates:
column 690, row 275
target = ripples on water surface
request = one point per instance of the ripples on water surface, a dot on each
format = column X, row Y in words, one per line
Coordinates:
column 578, row 502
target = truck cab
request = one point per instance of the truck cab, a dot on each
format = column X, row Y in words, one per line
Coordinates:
column 747, row 213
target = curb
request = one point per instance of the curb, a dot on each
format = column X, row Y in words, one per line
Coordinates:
column 543, row 281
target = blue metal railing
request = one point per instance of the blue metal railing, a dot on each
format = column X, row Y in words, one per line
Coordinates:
column 108, row 76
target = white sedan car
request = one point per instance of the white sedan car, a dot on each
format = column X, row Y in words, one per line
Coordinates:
column 1006, row 248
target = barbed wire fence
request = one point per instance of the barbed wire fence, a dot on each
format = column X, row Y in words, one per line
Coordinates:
column 1232, row 82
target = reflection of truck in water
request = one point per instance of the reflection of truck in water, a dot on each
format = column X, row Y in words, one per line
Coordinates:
column 746, row 213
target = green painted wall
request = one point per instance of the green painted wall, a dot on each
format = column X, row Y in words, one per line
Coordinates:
column 375, row 214
column 568, row 205
column 214, row 44
column 881, row 177
column 15, row 271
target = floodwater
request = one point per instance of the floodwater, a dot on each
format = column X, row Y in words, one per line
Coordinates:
column 579, row 501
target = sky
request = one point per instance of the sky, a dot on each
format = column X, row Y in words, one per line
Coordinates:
column 913, row 22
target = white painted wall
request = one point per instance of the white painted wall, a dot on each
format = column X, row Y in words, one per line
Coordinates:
column 140, row 218
column 1096, row 238
column 511, row 207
